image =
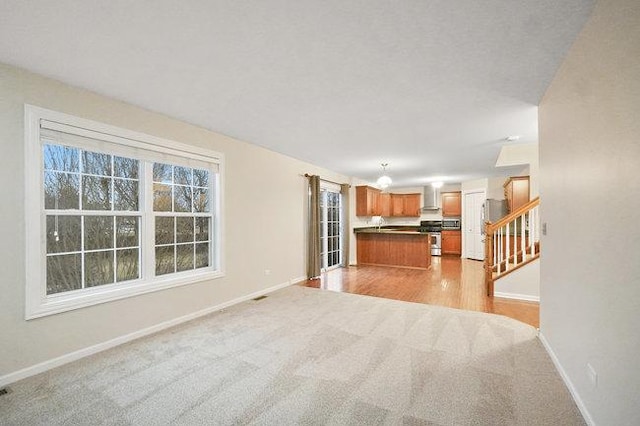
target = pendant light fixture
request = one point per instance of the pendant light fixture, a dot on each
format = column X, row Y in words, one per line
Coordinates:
column 384, row 181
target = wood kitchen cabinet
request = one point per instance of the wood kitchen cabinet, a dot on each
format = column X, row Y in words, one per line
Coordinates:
column 405, row 205
column 367, row 201
column 516, row 192
column 451, row 242
column 451, row 204
column 388, row 249
column 411, row 205
column 385, row 206
column 372, row 202
column 397, row 205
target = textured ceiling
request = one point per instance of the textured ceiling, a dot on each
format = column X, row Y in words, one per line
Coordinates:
column 431, row 87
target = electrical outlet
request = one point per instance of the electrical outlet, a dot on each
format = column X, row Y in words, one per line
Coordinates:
column 544, row 228
column 593, row 376
column 267, row 271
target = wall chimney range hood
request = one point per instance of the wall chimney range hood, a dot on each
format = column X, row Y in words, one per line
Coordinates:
column 430, row 199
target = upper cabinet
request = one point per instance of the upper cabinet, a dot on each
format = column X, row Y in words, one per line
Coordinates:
column 405, row 205
column 516, row 192
column 451, row 204
column 397, row 204
column 385, row 205
column 411, row 205
column 367, row 201
column 372, row 202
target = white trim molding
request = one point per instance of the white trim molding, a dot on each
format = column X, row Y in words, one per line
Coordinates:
column 91, row 350
column 516, row 296
column 298, row 280
column 567, row 381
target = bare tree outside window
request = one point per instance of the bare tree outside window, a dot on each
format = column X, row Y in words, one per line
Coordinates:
column 91, row 248
column 182, row 219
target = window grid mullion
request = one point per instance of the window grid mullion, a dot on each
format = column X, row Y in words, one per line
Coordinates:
column 193, row 246
column 147, row 243
column 132, row 213
column 112, row 196
column 82, row 253
column 80, row 191
column 183, row 214
column 175, row 246
column 115, row 250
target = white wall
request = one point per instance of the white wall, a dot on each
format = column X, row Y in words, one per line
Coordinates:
column 472, row 185
column 264, row 214
column 525, row 154
column 523, row 283
column 495, row 188
column 589, row 123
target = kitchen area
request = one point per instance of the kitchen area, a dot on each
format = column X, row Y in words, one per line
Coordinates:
column 407, row 229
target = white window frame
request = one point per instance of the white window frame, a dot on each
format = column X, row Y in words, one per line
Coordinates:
column 37, row 302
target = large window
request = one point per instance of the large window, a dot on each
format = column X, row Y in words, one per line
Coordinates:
column 112, row 213
column 330, row 226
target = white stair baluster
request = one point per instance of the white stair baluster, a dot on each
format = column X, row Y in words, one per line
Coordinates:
column 529, row 231
column 495, row 248
column 508, row 249
column 534, row 229
column 499, row 249
column 523, row 236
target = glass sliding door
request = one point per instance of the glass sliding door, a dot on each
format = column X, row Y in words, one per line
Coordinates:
column 331, row 227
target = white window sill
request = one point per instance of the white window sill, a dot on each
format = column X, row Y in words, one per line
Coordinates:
column 58, row 303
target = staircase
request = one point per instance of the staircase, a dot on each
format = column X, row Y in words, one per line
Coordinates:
column 511, row 242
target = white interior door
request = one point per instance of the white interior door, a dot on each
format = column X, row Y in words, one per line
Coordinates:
column 472, row 223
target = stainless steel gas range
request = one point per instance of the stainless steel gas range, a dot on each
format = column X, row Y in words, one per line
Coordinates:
column 434, row 228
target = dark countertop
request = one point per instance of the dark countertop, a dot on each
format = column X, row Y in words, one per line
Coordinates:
column 390, row 229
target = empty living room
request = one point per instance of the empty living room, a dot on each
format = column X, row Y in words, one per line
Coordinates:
column 278, row 213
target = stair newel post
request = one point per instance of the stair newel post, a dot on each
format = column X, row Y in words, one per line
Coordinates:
column 488, row 259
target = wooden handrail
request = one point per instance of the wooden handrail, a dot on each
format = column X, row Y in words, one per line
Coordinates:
column 491, row 227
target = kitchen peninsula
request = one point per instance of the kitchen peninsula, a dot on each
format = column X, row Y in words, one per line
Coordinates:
column 400, row 246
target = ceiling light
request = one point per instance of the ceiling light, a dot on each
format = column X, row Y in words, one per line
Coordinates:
column 437, row 184
column 384, row 180
column 512, row 138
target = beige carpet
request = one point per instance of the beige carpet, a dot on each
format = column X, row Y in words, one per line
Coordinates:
column 307, row 356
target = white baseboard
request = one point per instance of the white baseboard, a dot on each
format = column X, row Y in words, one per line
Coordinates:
column 298, row 280
column 73, row 356
column 567, row 381
column 526, row 297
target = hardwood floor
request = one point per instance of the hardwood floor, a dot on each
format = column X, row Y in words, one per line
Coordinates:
column 451, row 281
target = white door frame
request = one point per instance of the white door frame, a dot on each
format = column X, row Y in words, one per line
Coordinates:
column 464, row 219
